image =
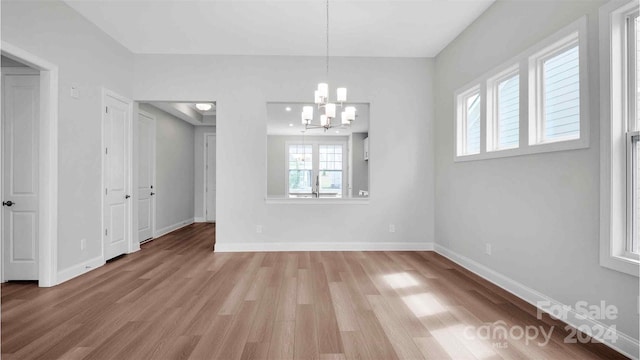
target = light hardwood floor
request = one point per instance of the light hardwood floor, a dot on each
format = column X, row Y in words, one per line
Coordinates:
column 177, row 299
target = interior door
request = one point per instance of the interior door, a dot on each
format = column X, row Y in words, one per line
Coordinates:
column 20, row 118
column 146, row 175
column 210, row 188
column 116, row 177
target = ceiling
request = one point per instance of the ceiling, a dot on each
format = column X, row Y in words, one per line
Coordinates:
column 188, row 112
column 378, row 28
column 281, row 121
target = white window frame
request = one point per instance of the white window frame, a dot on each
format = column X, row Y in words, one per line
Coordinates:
column 493, row 127
column 537, row 88
column 522, row 62
column 315, row 168
column 461, row 122
column 614, row 112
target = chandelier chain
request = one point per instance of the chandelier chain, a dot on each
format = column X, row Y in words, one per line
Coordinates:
column 327, row 40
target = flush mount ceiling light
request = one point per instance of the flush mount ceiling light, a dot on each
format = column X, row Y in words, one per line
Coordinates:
column 326, row 108
column 204, row 107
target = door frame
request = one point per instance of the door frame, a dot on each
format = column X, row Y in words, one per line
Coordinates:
column 206, row 159
column 47, row 163
column 132, row 246
column 153, row 172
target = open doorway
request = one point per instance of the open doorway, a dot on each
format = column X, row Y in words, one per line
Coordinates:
column 28, row 169
column 175, row 165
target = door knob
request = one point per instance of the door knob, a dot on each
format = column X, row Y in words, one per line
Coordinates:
column 8, row 203
column 153, row 193
column 127, row 196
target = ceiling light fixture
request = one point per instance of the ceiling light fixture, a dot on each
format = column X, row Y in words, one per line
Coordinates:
column 287, row 108
column 204, row 107
column 326, row 108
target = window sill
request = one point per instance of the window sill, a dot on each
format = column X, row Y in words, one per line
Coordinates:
column 526, row 150
column 326, row 201
column 620, row 263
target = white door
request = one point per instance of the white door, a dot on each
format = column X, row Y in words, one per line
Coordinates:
column 210, row 171
column 146, row 175
column 20, row 118
column 116, row 176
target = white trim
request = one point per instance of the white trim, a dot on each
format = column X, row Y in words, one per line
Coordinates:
column 199, row 220
column 167, row 229
column 79, row 269
column 525, row 147
column 48, row 167
column 612, row 152
column 323, row 246
column 624, row 343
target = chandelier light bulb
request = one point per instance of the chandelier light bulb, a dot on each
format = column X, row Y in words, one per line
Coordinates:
column 324, row 120
column 350, row 113
column 330, row 110
column 341, row 95
column 345, row 120
column 307, row 111
column 323, row 90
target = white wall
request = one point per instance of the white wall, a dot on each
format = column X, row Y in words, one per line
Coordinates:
column 174, row 169
column 199, row 185
column 400, row 94
column 539, row 212
column 90, row 59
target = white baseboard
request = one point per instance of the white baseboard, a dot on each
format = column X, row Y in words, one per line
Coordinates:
column 79, row 269
column 199, row 220
column 324, row 246
column 625, row 344
column 167, row 229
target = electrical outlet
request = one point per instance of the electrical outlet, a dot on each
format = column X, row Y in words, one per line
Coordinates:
column 259, row 229
column 83, row 244
column 487, row 248
column 392, row 228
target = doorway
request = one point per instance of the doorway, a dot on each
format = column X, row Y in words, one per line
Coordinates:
column 20, row 143
column 146, row 175
column 43, row 233
column 116, row 170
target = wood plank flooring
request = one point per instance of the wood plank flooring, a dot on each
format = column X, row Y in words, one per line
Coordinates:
column 176, row 299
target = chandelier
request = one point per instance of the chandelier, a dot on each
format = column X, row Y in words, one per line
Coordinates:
column 326, row 108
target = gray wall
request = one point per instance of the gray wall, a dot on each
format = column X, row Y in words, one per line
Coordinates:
column 174, row 168
column 399, row 89
column 540, row 212
column 199, row 194
column 359, row 167
column 89, row 58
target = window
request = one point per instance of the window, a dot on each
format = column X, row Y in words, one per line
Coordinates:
column 555, row 92
column 469, row 122
column 330, row 180
column 620, row 137
column 316, row 169
column 550, row 113
column 504, row 117
column 300, row 168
